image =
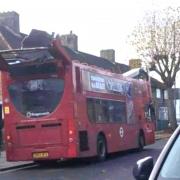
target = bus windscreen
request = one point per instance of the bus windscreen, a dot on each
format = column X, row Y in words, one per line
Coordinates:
column 38, row 97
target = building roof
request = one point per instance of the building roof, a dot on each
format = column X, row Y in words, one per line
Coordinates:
column 137, row 72
column 13, row 39
column 157, row 84
column 37, row 38
column 132, row 73
column 41, row 38
column 122, row 67
column 89, row 59
column 97, row 61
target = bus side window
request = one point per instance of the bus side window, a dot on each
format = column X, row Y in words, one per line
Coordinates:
column 99, row 111
column 119, row 111
column 91, row 109
column 105, row 110
column 111, row 111
column 78, row 80
column 102, row 111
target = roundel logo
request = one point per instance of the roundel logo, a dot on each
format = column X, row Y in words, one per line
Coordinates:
column 121, row 132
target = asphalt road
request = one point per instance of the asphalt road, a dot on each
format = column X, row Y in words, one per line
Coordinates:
column 117, row 167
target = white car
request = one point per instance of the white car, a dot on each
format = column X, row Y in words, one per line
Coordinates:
column 167, row 166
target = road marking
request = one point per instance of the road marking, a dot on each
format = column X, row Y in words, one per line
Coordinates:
column 17, row 169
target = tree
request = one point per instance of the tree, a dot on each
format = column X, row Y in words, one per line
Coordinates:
column 157, row 40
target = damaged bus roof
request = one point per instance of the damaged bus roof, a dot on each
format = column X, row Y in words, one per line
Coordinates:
column 33, row 60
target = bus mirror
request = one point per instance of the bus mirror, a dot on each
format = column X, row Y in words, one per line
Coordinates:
column 143, row 168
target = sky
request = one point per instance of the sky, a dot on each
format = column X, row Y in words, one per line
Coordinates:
column 99, row 24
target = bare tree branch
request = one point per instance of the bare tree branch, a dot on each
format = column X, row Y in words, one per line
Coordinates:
column 158, row 37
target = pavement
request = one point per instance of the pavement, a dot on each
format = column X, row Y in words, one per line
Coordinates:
column 163, row 134
column 5, row 165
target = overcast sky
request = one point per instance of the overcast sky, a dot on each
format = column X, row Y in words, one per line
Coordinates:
column 99, row 24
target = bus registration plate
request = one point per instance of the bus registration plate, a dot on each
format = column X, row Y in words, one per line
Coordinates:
column 39, row 155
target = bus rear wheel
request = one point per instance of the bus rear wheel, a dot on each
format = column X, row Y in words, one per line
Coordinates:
column 101, row 148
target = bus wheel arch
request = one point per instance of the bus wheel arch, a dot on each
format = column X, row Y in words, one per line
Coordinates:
column 141, row 140
column 101, row 147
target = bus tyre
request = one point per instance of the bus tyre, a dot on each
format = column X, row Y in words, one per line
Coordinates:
column 101, row 148
column 141, row 142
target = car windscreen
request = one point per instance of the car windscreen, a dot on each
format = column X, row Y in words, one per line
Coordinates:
column 38, row 97
column 171, row 166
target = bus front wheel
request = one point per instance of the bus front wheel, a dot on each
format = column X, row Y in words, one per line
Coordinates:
column 101, row 148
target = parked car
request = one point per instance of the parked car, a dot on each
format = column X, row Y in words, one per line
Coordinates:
column 167, row 166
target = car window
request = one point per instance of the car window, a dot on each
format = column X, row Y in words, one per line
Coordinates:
column 171, row 167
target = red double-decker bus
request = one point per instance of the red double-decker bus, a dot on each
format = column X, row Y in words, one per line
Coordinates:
column 56, row 108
